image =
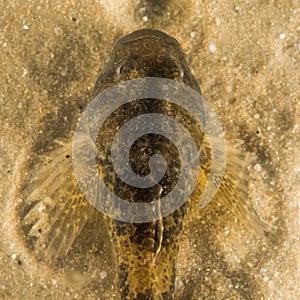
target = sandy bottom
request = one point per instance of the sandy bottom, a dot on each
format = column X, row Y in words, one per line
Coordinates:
column 245, row 56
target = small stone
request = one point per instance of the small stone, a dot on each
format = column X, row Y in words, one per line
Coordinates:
column 282, row 36
column 193, row 34
column 14, row 256
column 24, row 72
column 145, row 18
column 266, row 279
column 256, row 116
column 53, row 281
column 103, row 274
column 25, row 27
column 228, row 88
column 212, row 48
column 263, row 270
column 41, row 208
column 58, row 30
column 63, row 73
column 179, row 285
column 257, row 167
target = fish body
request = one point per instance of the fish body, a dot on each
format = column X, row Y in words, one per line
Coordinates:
column 146, row 253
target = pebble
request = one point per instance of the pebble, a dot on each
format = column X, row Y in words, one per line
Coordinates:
column 103, row 274
column 25, row 27
column 282, row 36
column 63, row 73
column 257, row 167
column 179, row 285
column 24, row 72
column 58, row 30
column 212, row 48
column 41, row 208
column 229, row 88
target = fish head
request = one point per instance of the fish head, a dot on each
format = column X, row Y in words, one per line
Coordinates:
column 146, row 53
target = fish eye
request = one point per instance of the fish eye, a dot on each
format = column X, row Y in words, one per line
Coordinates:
column 119, row 69
column 123, row 68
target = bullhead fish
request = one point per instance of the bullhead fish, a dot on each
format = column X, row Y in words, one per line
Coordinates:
column 146, row 253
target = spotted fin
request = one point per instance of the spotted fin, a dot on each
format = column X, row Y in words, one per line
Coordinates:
column 59, row 210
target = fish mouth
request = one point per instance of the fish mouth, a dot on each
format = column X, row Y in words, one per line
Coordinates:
column 148, row 34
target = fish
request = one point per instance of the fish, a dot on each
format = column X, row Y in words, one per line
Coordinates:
column 146, row 253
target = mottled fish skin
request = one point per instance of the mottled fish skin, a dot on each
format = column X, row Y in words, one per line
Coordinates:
column 146, row 53
column 146, row 253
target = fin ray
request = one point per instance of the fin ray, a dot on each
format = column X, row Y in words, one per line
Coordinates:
column 233, row 189
column 60, row 210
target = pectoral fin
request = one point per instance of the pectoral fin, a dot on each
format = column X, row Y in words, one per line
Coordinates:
column 59, row 209
column 233, row 189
